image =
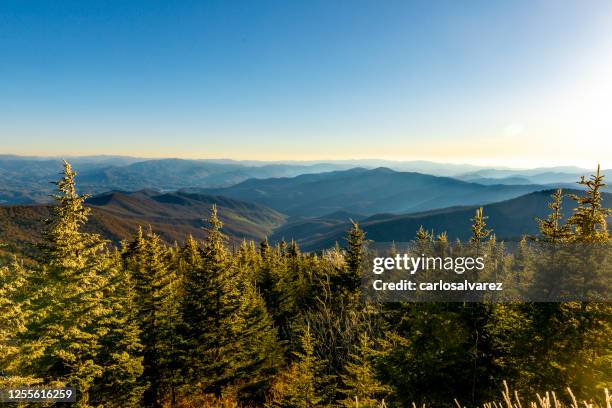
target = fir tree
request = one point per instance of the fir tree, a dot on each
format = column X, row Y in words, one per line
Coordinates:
column 589, row 217
column 479, row 227
column 302, row 383
column 362, row 387
column 212, row 318
column 13, row 317
column 350, row 279
column 157, row 287
column 294, row 250
column 422, row 235
column 551, row 228
column 75, row 311
column 120, row 350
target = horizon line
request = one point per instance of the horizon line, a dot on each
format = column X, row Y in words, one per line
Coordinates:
column 306, row 161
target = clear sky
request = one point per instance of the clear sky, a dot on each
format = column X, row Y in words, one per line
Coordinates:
column 488, row 82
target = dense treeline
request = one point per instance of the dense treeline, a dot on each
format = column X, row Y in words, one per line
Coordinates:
column 206, row 324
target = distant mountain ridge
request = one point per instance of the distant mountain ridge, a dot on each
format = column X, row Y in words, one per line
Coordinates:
column 543, row 176
column 510, row 219
column 116, row 216
column 367, row 192
column 25, row 180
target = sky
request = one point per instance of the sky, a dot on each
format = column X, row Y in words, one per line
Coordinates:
column 516, row 83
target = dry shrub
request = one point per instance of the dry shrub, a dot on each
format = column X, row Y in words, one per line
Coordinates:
column 207, row 401
column 548, row 400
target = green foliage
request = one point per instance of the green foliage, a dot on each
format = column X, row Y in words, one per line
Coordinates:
column 350, row 279
column 589, row 217
column 156, row 288
column 551, row 229
column 204, row 324
column 301, row 386
column 479, row 227
column 78, row 331
column 227, row 333
column 361, row 385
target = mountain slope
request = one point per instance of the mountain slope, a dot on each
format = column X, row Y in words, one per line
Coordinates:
column 542, row 176
column 117, row 215
column 25, row 180
column 366, row 192
column 509, row 219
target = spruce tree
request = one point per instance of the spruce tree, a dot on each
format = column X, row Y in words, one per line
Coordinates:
column 589, row 217
column 13, row 318
column 479, row 227
column 260, row 352
column 156, row 286
column 361, row 386
column 75, row 309
column 294, row 250
column 211, row 316
column 121, row 349
column 302, row 384
column 551, row 229
column 350, row 279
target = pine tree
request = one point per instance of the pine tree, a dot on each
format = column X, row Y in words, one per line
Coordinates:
column 191, row 253
column 120, row 347
column 589, row 217
column 479, row 227
column 350, row 279
column 211, row 316
column 422, row 235
column 264, row 249
column 260, row 352
column 551, row 228
column 362, row 387
column 301, row 385
column 156, row 286
column 294, row 250
column 74, row 311
column 282, row 248
column 13, row 319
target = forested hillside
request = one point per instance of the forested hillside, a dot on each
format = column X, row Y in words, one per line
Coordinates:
column 207, row 324
column 116, row 215
column 24, row 180
column 510, row 219
column 364, row 191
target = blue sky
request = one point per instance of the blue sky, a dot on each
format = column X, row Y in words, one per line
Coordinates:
column 478, row 81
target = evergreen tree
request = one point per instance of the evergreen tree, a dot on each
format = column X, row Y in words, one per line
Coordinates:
column 422, row 235
column 120, row 347
column 260, row 352
column 156, row 286
column 589, row 217
column 479, row 227
column 301, row 385
column 294, row 250
column 551, row 228
column 220, row 321
column 350, row 278
column 13, row 318
column 76, row 307
column 362, row 387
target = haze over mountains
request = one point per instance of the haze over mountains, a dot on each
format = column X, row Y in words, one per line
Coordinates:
column 25, row 180
column 117, row 215
column 510, row 220
column 367, row 192
column 308, row 201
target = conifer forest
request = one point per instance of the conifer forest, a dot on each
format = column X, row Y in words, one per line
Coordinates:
column 218, row 323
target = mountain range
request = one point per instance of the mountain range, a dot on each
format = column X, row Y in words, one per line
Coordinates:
column 367, row 192
column 25, row 180
column 509, row 219
column 117, row 215
column 309, row 202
